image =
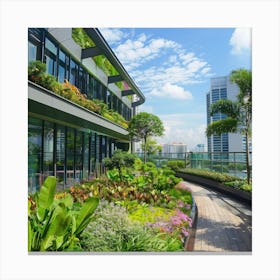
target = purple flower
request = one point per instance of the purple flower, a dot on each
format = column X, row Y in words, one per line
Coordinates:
column 183, row 185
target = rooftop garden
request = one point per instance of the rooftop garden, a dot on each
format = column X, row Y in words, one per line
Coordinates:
column 227, row 180
column 134, row 207
column 81, row 38
column 37, row 74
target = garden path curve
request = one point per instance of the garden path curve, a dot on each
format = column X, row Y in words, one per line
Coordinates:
column 223, row 224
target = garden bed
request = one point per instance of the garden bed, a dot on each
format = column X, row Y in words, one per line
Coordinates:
column 218, row 186
column 139, row 208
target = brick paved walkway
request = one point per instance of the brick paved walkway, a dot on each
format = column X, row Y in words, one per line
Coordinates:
column 223, row 224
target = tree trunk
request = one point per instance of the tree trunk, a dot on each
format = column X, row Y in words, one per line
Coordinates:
column 145, row 149
column 248, row 159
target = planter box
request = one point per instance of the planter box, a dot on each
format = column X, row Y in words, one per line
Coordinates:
column 239, row 194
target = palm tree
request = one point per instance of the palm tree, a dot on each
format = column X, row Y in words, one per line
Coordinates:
column 239, row 113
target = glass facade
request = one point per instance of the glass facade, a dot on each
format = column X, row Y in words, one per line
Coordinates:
column 217, row 143
column 69, row 154
column 59, row 63
column 55, row 147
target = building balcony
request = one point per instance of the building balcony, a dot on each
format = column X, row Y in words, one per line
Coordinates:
column 46, row 104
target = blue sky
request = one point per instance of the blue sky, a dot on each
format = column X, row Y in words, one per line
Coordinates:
column 173, row 67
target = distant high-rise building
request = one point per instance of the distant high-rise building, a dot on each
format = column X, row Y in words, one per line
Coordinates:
column 222, row 88
column 174, row 150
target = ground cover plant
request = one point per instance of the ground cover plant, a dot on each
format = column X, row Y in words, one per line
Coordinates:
column 228, row 180
column 143, row 208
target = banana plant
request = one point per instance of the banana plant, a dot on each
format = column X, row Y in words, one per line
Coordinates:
column 53, row 225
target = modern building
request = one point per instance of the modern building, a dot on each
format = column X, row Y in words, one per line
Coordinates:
column 66, row 139
column 174, row 150
column 222, row 88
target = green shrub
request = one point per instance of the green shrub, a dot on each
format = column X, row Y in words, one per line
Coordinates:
column 220, row 177
column 53, row 223
column 113, row 231
column 120, row 160
column 176, row 164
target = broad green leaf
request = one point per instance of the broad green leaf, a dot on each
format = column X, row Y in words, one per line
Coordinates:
column 85, row 214
column 30, row 236
column 46, row 194
column 67, row 200
column 58, row 226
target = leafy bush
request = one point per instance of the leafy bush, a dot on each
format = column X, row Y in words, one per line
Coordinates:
column 53, row 224
column 120, row 160
column 241, row 185
column 113, row 231
column 220, row 177
column 176, row 164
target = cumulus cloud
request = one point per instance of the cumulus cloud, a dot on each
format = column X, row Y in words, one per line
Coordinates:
column 172, row 91
column 136, row 52
column 188, row 128
column 240, row 40
column 176, row 66
column 112, row 36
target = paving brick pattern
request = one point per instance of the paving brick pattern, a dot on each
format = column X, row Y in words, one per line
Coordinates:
column 223, row 224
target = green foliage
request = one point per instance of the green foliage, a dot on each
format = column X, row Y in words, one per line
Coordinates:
column 151, row 146
column 225, row 106
column 219, row 127
column 239, row 113
column 220, row 177
column 145, row 125
column 36, row 74
column 36, row 69
column 81, row 38
column 120, row 160
column 150, row 214
column 240, row 184
column 52, row 224
column 176, row 164
column 113, row 231
column 243, row 78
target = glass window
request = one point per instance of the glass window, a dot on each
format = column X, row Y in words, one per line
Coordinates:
column 83, row 80
column 51, row 65
column 60, row 156
column 92, row 155
column 73, row 73
column 109, row 99
column 62, row 67
column 79, row 156
column 34, row 154
column 90, row 88
column 32, row 52
column 62, row 56
column 48, row 149
column 70, row 148
column 61, row 73
column 51, row 46
column 96, row 94
column 86, row 156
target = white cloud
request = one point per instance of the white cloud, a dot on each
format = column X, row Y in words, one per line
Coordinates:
column 172, row 91
column 190, row 136
column 188, row 128
column 240, row 40
column 142, row 50
column 112, row 35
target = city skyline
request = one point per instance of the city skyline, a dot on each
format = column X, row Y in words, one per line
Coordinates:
column 173, row 67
